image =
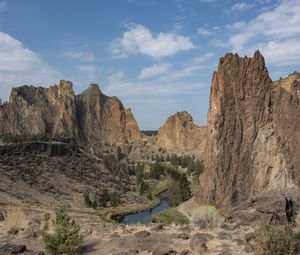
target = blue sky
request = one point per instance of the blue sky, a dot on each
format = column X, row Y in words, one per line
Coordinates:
column 157, row 56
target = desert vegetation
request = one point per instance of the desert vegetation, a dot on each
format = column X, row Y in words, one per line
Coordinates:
column 206, row 216
column 169, row 216
column 66, row 238
column 278, row 240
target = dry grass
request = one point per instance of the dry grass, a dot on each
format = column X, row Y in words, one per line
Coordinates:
column 206, row 216
column 15, row 218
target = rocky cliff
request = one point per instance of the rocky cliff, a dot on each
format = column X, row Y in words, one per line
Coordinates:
column 179, row 134
column 253, row 133
column 91, row 117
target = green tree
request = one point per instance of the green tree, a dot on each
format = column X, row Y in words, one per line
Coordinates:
column 66, row 239
column 115, row 199
column 95, row 203
column 87, row 201
column 144, row 188
column 104, row 198
column 120, row 155
column 139, row 173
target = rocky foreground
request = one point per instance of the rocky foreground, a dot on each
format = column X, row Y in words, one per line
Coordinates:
column 155, row 239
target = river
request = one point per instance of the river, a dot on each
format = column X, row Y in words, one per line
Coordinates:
column 145, row 217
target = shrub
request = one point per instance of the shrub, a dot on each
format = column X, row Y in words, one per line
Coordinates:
column 66, row 238
column 144, row 188
column 115, row 199
column 104, row 198
column 170, row 215
column 87, row 201
column 206, row 216
column 15, row 219
column 278, row 240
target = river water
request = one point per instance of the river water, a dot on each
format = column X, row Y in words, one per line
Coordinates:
column 145, row 217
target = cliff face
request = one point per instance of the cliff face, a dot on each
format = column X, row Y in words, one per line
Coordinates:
column 180, row 135
column 253, row 133
column 91, row 117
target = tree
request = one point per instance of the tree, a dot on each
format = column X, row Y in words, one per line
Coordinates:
column 144, row 188
column 95, row 203
column 66, row 239
column 139, row 173
column 104, row 198
column 120, row 155
column 115, row 199
column 87, row 201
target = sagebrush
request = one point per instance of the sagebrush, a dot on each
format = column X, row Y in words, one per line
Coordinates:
column 278, row 240
column 206, row 216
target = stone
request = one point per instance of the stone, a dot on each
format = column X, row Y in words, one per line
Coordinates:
column 2, row 218
column 183, row 235
column 142, row 234
column 88, row 118
column 224, row 236
column 185, row 252
column 250, row 237
column 158, row 227
column 13, row 232
column 248, row 248
column 179, row 134
column 12, row 248
column 198, row 242
column 163, row 249
column 201, row 237
column 252, row 143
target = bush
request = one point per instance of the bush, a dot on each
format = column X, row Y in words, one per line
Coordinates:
column 66, row 238
column 170, row 215
column 87, row 201
column 115, row 199
column 144, row 188
column 278, row 240
column 104, row 198
column 206, row 216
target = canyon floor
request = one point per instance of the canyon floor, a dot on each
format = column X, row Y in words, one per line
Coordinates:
column 112, row 239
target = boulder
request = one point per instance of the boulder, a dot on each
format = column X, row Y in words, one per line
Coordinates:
column 12, row 249
column 163, row 249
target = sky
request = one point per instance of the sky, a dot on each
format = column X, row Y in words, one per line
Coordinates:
column 157, row 56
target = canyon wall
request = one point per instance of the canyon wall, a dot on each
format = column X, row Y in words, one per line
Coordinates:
column 253, row 133
column 91, row 117
column 179, row 134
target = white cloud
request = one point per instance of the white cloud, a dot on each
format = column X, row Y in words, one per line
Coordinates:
column 236, row 26
column 241, row 7
column 275, row 32
column 140, row 40
column 263, row 1
column 82, row 56
column 19, row 66
column 155, row 70
column 159, row 80
column 207, row 1
column 130, row 89
column 90, row 71
column 204, row 31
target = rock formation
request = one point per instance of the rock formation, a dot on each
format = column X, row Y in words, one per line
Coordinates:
column 180, row 135
column 253, row 135
column 92, row 118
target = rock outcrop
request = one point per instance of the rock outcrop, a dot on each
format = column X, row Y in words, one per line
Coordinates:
column 179, row 134
column 253, row 133
column 91, row 117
